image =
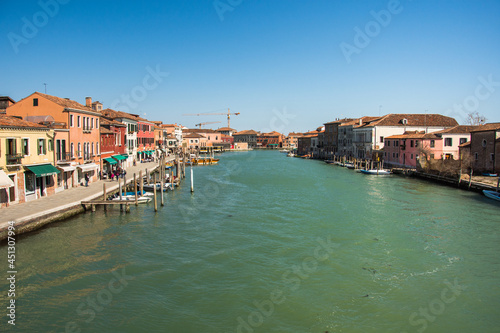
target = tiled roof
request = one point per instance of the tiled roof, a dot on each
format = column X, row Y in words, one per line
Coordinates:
column 246, row 132
column 66, row 102
column 460, row 129
column 192, row 136
column 225, row 129
column 14, row 122
column 465, row 145
column 273, row 133
column 366, row 120
column 113, row 114
column 415, row 135
column 104, row 130
column 414, row 120
column 488, row 127
column 200, row 130
column 110, row 122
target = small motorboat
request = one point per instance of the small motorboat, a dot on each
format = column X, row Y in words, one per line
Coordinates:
column 150, row 187
column 329, row 161
column 376, row 172
column 131, row 198
column 492, row 195
column 349, row 165
column 490, row 174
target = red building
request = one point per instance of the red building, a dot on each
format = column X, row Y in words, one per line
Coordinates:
column 145, row 138
column 112, row 143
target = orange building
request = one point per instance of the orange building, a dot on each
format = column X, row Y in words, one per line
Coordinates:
column 82, row 122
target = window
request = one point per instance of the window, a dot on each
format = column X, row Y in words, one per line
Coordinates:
column 381, row 139
column 416, row 143
column 411, row 144
column 97, row 123
column 71, row 120
column 404, row 121
column 97, row 148
column 393, row 155
column 432, row 156
column 388, row 143
column 78, row 121
column 397, row 155
column 29, row 182
column 448, row 142
column 41, row 147
column 79, row 149
column 51, row 145
column 484, row 143
column 411, row 156
column 492, row 157
column 476, row 157
column 433, row 143
column 26, row 147
column 35, row 101
column 72, row 150
column 463, row 140
column 396, row 143
column 91, row 123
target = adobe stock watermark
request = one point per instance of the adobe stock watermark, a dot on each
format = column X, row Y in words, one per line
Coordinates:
column 223, row 6
column 87, row 309
column 140, row 92
column 292, row 280
column 436, row 307
column 372, row 29
column 483, row 91
column 30, row 28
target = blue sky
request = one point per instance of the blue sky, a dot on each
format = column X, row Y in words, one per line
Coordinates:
column 284, row 65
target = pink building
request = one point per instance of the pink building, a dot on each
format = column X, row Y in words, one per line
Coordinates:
column 404, row 150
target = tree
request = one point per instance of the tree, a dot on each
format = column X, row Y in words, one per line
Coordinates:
column 475, row 119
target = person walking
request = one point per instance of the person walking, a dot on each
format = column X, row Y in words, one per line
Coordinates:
column 87, row 178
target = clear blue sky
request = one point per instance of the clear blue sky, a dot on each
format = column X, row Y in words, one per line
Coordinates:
column 282, row 64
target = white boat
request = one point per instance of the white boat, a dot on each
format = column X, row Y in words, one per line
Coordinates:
column 141, row 199
column 376, row 172
column 492, row 195
column 150, row 187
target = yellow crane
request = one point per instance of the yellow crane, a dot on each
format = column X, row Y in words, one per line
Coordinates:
column 215, row 114
column 206, row 123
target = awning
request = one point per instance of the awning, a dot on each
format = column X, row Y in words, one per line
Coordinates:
column 147, row 152
column 119, row 157
column 43, row 170
column 87, row 167
column 110, row 160
column 67, row 168
column 5, row 181
column 125, row 155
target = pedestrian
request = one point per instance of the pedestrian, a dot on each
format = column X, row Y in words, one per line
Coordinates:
column 112, row 175
column 87, row 178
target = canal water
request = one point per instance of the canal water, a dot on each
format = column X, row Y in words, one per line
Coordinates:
column 268, row 243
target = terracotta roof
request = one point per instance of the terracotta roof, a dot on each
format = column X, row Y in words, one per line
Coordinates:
column 110, row 122
column 414, row 120
column 113, row 114
column 457, row 130
column 246, row 132
column 226, row 129
column 65, row 102
column 415, row 135
column 273, row 133
column 192, row 136
column 364, row 121
column 294, row 134
column 200, row 130
column 465, row 145
column 487, row 127
column 14, row 122
column 104, row 130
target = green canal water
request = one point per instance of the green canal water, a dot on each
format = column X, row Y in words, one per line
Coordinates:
column 268, row 243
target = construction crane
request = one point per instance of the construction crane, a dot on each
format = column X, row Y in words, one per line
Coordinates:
column 215, row 114
column 209, row 122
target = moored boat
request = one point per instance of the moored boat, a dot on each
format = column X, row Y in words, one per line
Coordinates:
column 376, row 172
column 141, row 199
column 492, row 195
column 487, row 174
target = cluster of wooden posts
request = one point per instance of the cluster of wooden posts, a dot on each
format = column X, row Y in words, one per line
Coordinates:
column 157, row 174
column 359, row 163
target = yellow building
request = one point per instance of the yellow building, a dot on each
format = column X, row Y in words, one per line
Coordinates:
column 26, row 161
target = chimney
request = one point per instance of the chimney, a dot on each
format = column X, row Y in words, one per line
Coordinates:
column 360, row 121
column 88, row 102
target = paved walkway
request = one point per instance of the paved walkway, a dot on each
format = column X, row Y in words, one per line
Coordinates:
column 65, row 199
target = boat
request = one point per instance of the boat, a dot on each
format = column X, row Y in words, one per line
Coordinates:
column 349, row 165
column 492, row 195
column 150, row 187
column 290, row 154
column 284, row 151
column 490, row 174
column 376, row 172
column 329, row 161
column 141, row 199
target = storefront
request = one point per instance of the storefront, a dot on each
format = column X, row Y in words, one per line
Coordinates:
column 90, row 169
column 39, row 181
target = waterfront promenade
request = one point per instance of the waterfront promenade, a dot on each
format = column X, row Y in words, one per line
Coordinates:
column 34, row 214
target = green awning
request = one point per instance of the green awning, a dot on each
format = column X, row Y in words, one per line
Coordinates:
column 147, row 152
column 125, row 155
column 119, row 157
column 43, row 170
column 110, row 160
column 272, row 144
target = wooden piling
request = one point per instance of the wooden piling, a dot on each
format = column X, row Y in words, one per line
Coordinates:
column 498, row 184
column 141, row 182
column 120, row 193
column 162, row 184
column 154, row 193
column 127, row 208
column 104, row 194
column 135, row 189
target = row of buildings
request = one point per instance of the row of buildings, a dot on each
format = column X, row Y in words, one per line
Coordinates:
column 50, row 144
column 401, row 140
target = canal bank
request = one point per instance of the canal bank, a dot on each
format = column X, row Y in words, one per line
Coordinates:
column 33, row 215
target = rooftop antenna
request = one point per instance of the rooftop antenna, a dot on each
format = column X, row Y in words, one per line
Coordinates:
column 45, row 84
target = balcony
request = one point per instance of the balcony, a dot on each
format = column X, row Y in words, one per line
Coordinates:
column 63, row 157
column 14, row 159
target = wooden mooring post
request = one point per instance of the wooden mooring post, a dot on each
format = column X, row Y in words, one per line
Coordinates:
column 135, row 190
column 104, row 193
column 192, row 181
column 154, row 192
column 141, row 182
